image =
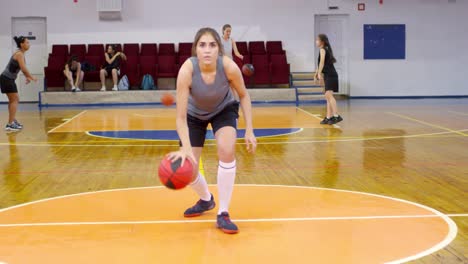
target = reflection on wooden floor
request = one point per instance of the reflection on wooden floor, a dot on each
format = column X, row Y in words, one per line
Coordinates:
column 404, row 149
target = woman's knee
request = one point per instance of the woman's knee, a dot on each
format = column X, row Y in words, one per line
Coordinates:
column 13, row 98
column 226, row 153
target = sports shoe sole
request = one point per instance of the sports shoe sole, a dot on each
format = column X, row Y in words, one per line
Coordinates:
column 198, row 214
column 227, row 231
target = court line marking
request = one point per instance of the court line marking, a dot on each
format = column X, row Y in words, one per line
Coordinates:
column 46, row 144
column 176, row 140
column 66, row 122
column 427, row 123
column 316, row 116
column 252, row 220
column 458, row 113
column 452, row 227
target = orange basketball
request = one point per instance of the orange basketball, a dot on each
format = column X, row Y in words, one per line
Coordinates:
column 167, row 99
column 174, row 176
column 248, row 70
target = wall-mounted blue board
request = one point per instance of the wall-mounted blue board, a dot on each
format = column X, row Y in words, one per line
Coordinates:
column 384, row 42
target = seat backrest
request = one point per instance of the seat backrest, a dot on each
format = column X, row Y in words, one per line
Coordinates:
column 274, row 47
column 148, row 60
column 56, row 62
column 60, row 50
column 277, row 59
column 185, row 48
column 257, row 47
column 95, row 50
column 149, row 49
column 242, row 47
column 183, row 58
column 166, row 49
column 259, row 59
column 131, row 49
column 131, row 62
column 78, row 50
column 94, row 60
column 166, row 63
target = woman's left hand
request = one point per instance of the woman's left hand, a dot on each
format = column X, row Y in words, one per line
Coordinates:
column 319, row 76
column 250, row 141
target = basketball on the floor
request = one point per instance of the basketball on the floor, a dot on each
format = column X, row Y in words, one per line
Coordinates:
column 173, row 175
column 167, row 99
column 248, row 70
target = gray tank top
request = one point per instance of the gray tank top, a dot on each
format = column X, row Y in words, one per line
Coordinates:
column 207, row 100
column 227, row 44
column 12, row 69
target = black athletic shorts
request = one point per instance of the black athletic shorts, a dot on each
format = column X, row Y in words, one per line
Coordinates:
column 331, row 82
column 109, row 71
column 197, row 128
column 8, row 85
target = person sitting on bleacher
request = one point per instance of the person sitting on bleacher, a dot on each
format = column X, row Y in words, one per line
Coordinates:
column 73, row 71
column 111, row 67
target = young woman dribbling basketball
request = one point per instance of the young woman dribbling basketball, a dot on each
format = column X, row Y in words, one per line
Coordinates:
column 204, row 97
column 327, row 72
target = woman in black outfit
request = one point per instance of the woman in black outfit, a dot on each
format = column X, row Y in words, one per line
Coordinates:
column 111, row 66
column 327, row 72
column 8, row 78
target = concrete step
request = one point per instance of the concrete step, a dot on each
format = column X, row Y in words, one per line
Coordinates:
column 302, row 83
column 310, row 90
column 311, row 97
column 302, row 75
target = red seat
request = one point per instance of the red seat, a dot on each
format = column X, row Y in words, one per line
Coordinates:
column 60, row 50
column 149, row 49
column 167, row 67
column 166, row 49
column 280, row 69
column 183, row 58
column 54, row 71
column 274, row 47
column 93, row 76
column 242, row 47
column 118, row 47
column 78, row 50
column 185, row 48
column 257, row 47
column 96, row 50
column 262, row 69
column 131, row 49
column 148, row 66
column 240, row 63
column 130, row 68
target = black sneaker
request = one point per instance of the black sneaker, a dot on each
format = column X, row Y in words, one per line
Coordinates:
column 224, row 223
column 324, row 121
column 333, row 120
column 200, row 207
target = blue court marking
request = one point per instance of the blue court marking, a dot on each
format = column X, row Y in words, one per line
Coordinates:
column 172, row 134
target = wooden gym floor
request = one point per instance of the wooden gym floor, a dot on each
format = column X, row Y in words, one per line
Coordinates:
column 389, row 183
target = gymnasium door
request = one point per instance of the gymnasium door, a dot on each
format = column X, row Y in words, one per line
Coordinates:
column 334, row 26
column 35, row 29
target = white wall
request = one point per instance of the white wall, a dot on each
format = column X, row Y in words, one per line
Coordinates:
column 436, row 41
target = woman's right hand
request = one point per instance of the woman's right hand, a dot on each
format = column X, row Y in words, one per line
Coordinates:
column 182, row 154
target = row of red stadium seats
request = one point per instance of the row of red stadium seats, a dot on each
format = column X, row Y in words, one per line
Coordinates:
column 270, row 68
column 153, row 49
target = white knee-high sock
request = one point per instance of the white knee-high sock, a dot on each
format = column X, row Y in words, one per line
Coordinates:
column 226, row 178
column 201, row 188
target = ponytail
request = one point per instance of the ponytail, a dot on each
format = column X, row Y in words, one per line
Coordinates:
column 19, row 40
